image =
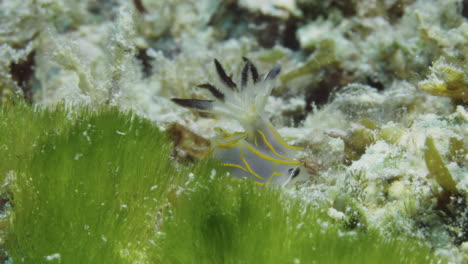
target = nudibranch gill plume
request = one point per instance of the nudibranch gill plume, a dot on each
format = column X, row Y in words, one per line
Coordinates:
column 258, row 153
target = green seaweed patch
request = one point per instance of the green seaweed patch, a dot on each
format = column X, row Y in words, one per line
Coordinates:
column 436, row 166
column 90, row 193
column 216, row 222
column 22, row 127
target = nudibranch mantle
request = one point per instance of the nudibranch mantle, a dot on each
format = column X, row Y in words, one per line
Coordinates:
column 259, row 152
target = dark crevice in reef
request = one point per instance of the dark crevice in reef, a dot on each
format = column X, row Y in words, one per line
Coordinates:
column 274, row 31
column 347, row 8
column 375, row 83
column 450, row 213
column 104, row 9
column 460, row 221
column 139, row 6
column 165, row 43
column 145, row 60
column 465, row 8
column 319, row 96
column 454, row 213
column 396, row 11
column 268, row 32
column 321, row 93
column 289, row 38
column 313, row 10
column 22, row 72
column 231, row 20
column 316, row 9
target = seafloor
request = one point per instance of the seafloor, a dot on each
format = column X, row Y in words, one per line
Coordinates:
column 374, row 91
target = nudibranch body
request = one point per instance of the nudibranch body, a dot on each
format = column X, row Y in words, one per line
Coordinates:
column 259, row 152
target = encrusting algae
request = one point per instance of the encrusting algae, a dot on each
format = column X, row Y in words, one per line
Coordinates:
column 447, row 80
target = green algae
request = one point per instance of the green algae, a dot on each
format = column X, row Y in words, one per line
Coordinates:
column 323, row 56
column 88, row 193
column 447, row 79
column 436, row 166
column 99, row 187
column 216, row 222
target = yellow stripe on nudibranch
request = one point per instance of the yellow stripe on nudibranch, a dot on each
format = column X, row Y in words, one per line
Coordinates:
column 231, row 140
column 270, row 146
column 276, row 174
column 248, row 166
column 235, row 136
column 266, row 157
column 278, row 137
column 227, row 145
column 255, row 140
column 235, row 166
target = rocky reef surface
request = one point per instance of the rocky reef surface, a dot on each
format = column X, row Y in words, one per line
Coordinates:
column 375, row 91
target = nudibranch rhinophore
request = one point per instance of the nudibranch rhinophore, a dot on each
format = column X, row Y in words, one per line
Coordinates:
column 259, row 152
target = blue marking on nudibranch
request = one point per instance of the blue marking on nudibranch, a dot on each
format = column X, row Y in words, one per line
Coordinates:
column 258, row 153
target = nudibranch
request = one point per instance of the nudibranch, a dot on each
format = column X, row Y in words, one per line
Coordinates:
column 259, row 152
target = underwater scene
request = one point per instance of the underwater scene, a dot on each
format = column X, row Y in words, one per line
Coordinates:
column 233, row 131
